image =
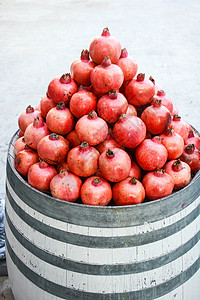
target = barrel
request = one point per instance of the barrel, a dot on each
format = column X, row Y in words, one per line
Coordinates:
column 61, row 250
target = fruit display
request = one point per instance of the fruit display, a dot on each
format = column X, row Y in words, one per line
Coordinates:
column 106, row 135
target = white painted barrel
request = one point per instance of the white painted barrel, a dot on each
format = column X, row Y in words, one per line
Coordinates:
column 61, row 250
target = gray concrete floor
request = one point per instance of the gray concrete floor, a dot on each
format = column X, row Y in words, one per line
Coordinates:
column 40, row 39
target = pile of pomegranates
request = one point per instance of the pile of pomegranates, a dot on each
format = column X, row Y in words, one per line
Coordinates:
column 104, row 134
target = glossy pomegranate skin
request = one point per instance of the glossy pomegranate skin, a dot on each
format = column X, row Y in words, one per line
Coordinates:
column 128, row 65
column 105, row 45
column 24, row 159
column 180, row 126
column 106, row 77
column 63, row 167
column 131, row 110
column 151, row 154
column 82, row 103
column 83, row 160
column 173, row 142
column 81, row 69
column 166, row 101
column 111, row 106
column 19, row 145
column 135, row 170
column 191, row 156
column 62, row 88
column 92, row 129
column 156, row 117
column 40, row 174
column 139, row 91
column 129, row 131
column 180, row 173
column 156, row 85
column 114, row 164
column 66, row 186
column 53, row 148
column 60, row 119
column 35, row 132
column 157, row 184
column 45, row 105
column 27, row 117
column 96, row 191
column 129, row 191
column 108, row 144
column 73, row 139
column 193, row 139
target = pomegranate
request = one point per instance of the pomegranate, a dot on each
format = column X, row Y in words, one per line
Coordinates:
column 61, row 89
column 81, row 69
column 66, row 186
column 105, row 45
column 179, row 171
column 83, row 160
column 82, row 103
column 193, row 139
column 129, row 131
column 157, row 184
column 180, row 126
column 53, row 148
column 92, row 129
column 111, row 106
column 27, row 117
column 21, row 133
column 114, row 164
column 156, row 117
column 106, row 77
column 59, row 119
column 96, row 191
column 191, row 156
column 151, row 154
column 174, row 111
column 128, row 65
column 166, row 101
column 156, row 86
column 128, row 192
column 24, row 159
column 38, row 108
column 19, row 145
column 45, row 105
column 35, row 132
column 109, row 142
column 73, row 139
column 40, row 174
column 131, row 110
column 140, row 91
column 173, row 142
column 63, row 166
column 135, row 171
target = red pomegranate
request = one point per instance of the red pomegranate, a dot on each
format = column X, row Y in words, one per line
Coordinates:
column 106, row 77
column 60, row 119
column 128, row 65
column 21, row 133
column 96, row 191
column 53, row 148
column 19, row 145
column 180, row 126
column 83, row 160
column 24, row 159
column 173, row 142
column 45, row 105
column 40, row 174
column 193, row 139
column 139, row 91
column 129, row 131
column 174, row 111
column 156, row 86
column 35, row 132
column 108, row 143
column 166, row 101
column 66, row 186
column 111, row 106
column 131, row 110
column 105, row 45
column 27, row 117
column 114, row 164
column 63, row 167
column 82, row 103
column 156, row 117
column 92, row 129
column 151, row 154
column 128, row 192
column 73, row 139
column 179, row 171
column 62, row 88
column 191, row 156
column 157, row 184
column 81, row 69
column 135, row 171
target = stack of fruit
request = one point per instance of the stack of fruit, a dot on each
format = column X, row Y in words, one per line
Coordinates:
column 104, row 134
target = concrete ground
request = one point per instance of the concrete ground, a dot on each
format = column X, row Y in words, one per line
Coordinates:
column 40, row 39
